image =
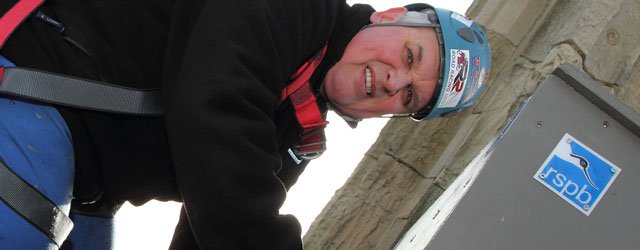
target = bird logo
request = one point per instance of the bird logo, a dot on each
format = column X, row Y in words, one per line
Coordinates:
column 584, row 166
column 566, row 153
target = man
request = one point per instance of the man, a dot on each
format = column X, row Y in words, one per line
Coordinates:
column 392, row 74
column 244, row 88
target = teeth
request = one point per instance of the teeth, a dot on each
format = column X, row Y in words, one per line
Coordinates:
column 367, row 73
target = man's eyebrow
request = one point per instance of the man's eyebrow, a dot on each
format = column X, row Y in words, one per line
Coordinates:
column 416, row 100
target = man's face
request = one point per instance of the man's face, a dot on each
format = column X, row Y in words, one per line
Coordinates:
column 385, row 70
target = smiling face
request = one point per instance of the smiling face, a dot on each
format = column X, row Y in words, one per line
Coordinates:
column 385, row 69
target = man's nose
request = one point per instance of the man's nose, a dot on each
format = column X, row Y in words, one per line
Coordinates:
column 396, row 81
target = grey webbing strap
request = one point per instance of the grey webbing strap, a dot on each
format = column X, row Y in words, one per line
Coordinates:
column 79, row 93
column 33, row 206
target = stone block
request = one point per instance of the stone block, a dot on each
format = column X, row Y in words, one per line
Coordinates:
column 511, row 19
column 629, row 90
column 617, row 45
column 575, row 22
column 361, row 208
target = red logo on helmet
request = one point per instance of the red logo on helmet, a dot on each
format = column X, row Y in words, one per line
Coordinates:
column 463, row 67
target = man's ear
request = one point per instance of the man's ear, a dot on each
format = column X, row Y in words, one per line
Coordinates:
column 388, row 16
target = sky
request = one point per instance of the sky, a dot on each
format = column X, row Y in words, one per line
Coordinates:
column 151, row 226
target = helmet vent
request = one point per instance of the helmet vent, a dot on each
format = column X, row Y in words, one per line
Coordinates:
column 467, row 34
column 479, row 36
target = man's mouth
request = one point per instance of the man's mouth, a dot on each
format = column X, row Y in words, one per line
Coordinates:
column 367, row 81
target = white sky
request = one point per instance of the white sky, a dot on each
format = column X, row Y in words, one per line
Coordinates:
column 151, row 226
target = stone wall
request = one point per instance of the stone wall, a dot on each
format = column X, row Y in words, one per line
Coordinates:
column 412, row 163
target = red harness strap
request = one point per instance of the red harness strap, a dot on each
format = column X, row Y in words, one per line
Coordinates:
column 14, row 17
column 312, row 141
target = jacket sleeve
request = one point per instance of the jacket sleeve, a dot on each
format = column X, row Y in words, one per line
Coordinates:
column 219, row 117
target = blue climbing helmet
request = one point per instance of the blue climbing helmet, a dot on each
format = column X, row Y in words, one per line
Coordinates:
column 465, row 60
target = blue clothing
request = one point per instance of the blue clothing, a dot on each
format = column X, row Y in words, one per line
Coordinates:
column 36, row 144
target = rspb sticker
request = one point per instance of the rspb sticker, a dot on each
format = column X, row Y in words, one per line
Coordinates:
column 458, row 73
column 577, row 174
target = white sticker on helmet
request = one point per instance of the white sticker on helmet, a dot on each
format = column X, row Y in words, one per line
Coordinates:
column 457, row 78
column 461, row 19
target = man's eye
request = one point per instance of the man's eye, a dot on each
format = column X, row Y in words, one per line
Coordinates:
column 408, row 96
column 409, row 56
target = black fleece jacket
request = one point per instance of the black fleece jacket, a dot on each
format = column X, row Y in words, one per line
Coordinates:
column 220, row 147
